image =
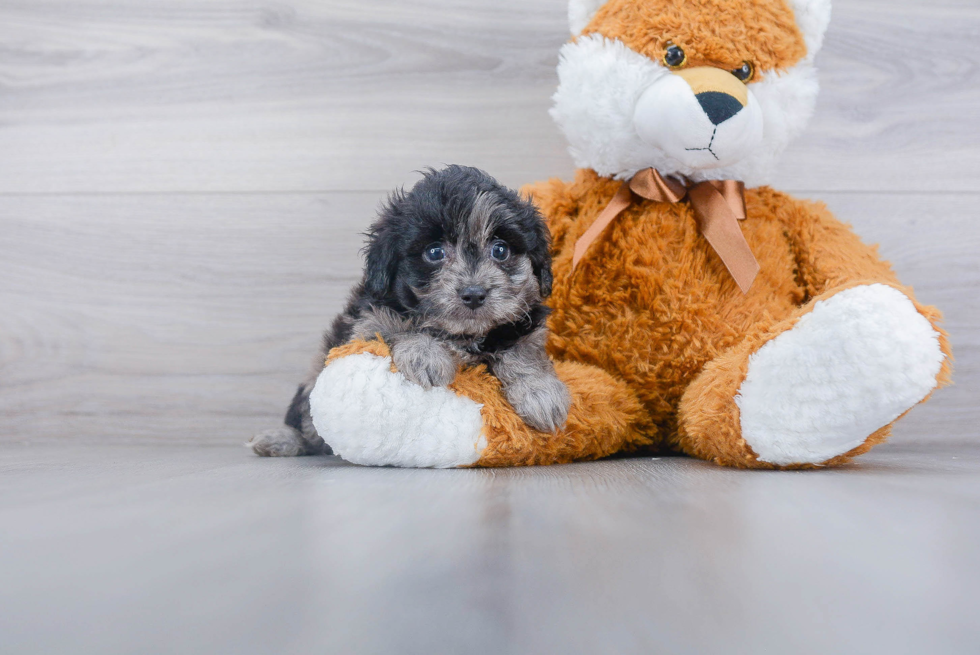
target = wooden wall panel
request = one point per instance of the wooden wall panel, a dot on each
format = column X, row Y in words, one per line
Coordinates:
column 228, row 95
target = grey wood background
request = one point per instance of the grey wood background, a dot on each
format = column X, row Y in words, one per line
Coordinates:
column 183, row 184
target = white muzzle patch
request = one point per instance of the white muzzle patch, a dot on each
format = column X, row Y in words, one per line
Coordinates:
column 670, row 116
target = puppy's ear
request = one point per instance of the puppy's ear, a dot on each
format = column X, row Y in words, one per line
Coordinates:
column 542, row 269
column 382, row 263
column 539, row 246
column 381, row 266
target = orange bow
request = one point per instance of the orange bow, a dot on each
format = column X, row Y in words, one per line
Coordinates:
column 718, row 206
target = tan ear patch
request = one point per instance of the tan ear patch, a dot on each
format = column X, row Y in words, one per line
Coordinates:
column 720, row 33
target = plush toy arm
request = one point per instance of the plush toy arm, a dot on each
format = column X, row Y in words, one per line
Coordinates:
column 372, row 415
column 828, row 252
column 831, row 258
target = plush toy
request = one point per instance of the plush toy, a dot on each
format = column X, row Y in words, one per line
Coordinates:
column 695, row 309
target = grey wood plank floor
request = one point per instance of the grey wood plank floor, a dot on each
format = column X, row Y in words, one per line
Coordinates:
column 182, row 191
column 154, row 549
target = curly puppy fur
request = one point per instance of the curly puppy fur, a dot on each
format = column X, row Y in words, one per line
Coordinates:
column 456, row 272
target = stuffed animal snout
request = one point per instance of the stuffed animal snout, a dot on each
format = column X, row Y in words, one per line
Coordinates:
column 704, row 117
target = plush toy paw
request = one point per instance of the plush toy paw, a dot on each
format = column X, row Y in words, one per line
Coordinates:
column 371, row 414
column 855, row 363
column 542, row 401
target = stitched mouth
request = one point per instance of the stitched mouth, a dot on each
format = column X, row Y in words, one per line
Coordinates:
column 708, row 148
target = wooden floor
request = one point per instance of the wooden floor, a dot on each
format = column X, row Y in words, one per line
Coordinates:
column 182, row 191
column 161, row 549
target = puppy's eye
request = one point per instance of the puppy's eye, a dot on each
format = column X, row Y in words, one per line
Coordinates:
column 500, row 251
column 745, row 72
column 675, row 56
column 434, row 252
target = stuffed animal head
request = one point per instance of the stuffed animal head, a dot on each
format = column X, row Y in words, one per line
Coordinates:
column 706, row 89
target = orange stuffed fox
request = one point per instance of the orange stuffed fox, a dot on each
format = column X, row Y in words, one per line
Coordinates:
column 695, row 309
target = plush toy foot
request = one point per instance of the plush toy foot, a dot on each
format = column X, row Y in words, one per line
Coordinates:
column 825, row 388
column 371, row 414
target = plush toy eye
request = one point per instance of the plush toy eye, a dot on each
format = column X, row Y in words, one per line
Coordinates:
column 675, row 56
column 745, row 72
column 434, row 252
column 500, row 251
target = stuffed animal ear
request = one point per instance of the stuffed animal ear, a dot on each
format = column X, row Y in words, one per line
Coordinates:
column 812, row 17
column 580, row 12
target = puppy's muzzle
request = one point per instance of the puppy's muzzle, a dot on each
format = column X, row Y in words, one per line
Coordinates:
column 473, row 297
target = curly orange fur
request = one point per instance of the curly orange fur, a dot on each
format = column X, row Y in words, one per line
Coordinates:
column 762, row 32
column 654, row 305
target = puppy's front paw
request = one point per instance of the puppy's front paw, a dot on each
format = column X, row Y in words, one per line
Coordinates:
column 424, row 361
column 541, row 400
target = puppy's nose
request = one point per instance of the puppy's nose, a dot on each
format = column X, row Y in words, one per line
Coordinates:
column 473, row 297
column 718, row 106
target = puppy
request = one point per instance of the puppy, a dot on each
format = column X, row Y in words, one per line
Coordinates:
column 456, row 272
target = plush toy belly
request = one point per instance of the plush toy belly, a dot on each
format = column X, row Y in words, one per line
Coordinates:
column 371, row 414
column 653, row 303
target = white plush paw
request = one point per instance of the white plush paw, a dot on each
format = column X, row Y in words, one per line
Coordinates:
column 372, row 416
column 848, row 368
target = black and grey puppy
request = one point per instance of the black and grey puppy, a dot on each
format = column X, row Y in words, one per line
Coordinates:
column 456, row 272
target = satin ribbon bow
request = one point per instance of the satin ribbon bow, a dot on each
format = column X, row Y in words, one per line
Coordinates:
column 718, row 206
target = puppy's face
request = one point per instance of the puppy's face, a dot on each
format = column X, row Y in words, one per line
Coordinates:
column 461, row 252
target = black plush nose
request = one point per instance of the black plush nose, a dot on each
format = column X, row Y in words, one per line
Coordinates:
column 473, row 297
column 718, row 106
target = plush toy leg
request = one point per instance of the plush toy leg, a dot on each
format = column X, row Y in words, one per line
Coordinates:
column 820, row 387
column 370, row 414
